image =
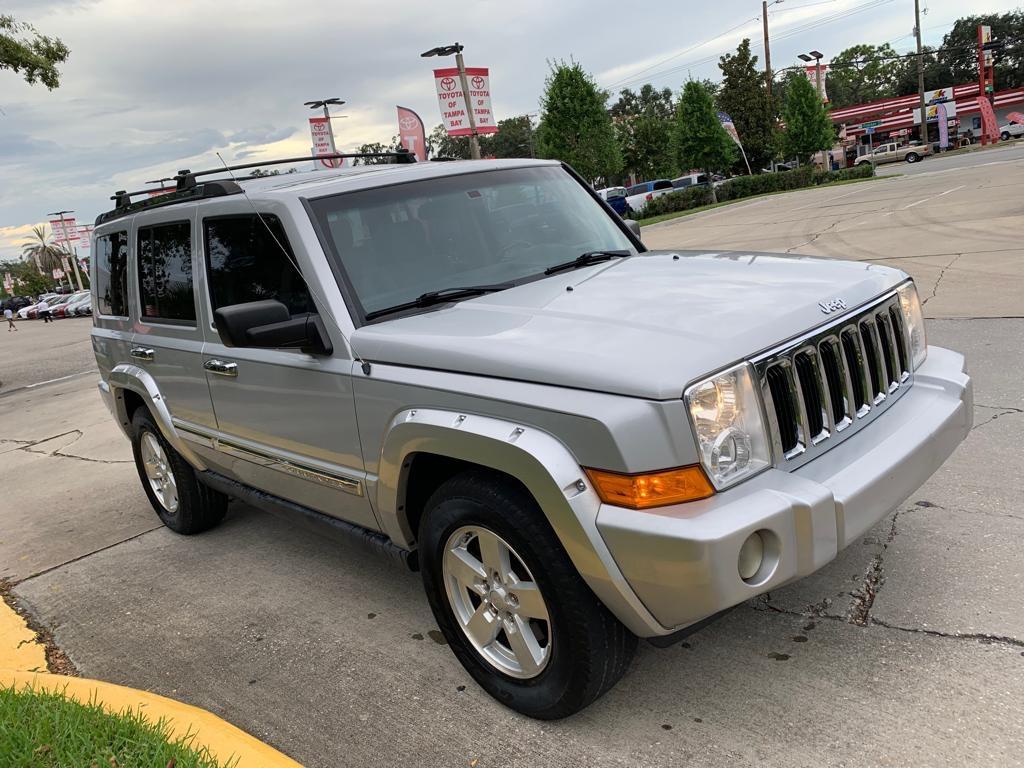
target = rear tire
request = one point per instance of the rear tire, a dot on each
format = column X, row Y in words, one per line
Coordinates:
column 183, row 504
column 573, row 655
column 912, row 157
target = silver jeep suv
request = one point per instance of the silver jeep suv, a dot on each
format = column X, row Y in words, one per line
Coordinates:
column 479, row 368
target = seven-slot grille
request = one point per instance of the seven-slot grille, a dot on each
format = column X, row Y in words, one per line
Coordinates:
column 825, row 386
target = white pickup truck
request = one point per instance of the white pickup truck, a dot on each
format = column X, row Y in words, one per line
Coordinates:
column 894, row 152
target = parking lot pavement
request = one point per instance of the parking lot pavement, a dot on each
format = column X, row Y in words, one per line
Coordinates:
column 39, row 352
column 958, row 232
column 908, row 649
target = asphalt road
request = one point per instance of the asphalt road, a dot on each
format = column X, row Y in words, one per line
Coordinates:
column 327, row 651
column 41, row 352
column 977, row 155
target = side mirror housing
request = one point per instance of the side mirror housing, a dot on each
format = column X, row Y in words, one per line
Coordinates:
column 269, row 324
column 633, row 225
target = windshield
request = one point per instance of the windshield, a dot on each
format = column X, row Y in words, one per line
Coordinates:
column 396, row 243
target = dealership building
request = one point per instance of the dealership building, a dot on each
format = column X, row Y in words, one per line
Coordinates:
column 864, row 126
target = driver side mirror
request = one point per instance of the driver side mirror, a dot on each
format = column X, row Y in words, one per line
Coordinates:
column 634, row 226
column 268, row 324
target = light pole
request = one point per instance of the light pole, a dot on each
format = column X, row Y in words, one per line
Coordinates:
column 74, row 256
column 816, row 57
column 325, row 103
column 448, row 50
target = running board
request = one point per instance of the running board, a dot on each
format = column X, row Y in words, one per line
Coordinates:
column 310, row 518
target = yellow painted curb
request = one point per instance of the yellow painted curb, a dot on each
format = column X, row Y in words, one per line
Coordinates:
column 224, row 740
column 23, row 664
column 18, row 646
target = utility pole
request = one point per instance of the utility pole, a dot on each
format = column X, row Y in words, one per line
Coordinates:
column 67, row 249
column 474, row 142
column 920, row 72
column 767, row 50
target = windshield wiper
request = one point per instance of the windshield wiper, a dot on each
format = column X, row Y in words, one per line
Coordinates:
column 586, row 259
column 441, row 296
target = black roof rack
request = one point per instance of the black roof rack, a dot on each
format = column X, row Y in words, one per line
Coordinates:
column 188, row 188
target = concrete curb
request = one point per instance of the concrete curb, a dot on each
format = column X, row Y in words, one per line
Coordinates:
column 27, row 659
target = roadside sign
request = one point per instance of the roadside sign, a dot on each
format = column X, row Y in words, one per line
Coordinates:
column 452, row 102
column 64, row 231
column 323, row 141
column 870, row 130
column 84, row 230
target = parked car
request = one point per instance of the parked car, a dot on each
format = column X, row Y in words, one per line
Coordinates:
column 31, row 311
column 616, row 198
column 476, row 368
column 68, row 308
column 82, row 306
column 1012, row 130
column 691, row 180
column 639, row 195
column 894, row 152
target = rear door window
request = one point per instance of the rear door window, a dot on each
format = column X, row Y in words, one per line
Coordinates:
column 165, row 272
column 250, row 260
column 663, row 184
column 112, row 274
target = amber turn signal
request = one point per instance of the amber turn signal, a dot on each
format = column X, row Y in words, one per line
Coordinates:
column 651, row 489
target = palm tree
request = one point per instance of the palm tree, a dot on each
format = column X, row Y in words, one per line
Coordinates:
column 46, row 255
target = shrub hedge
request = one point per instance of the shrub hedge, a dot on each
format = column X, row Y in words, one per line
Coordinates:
column 748, row 186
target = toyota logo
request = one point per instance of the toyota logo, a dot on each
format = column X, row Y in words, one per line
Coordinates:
column 478, row 82
column 407, row 123
column 448, row 83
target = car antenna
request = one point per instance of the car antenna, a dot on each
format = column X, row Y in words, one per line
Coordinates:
column 321, row 303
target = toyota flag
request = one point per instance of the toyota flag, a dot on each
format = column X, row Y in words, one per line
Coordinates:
column 411, row 133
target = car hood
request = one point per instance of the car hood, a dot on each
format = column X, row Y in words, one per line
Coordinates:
column 644, row 326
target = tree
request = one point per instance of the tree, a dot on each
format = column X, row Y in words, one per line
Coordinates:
column 742, row 96
column 27, row 280
column 440, row 144
column 575, row 126
column 513, row 139
column 808, row 127
column 643, row 129
column 32, row 55
column 376, row 147
column 44, row 253
column 699, row 139
column 863, row 73
column 959, row 55
column 259, row 172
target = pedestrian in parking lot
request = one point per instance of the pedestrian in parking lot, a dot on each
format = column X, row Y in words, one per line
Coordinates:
column 44, row 311
column 9, row 317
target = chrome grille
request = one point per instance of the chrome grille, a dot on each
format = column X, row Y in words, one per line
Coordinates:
column 822, row 388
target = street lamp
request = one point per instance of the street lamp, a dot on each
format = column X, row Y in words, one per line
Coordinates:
column 325, row 104
column 67, row 248
column 816, row 57
column 448, row 50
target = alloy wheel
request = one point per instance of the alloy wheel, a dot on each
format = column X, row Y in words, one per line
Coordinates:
column 496, row 602
column 158, row 472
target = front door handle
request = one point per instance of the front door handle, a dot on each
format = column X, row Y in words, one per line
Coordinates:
column 221, row 368
column 141, row 353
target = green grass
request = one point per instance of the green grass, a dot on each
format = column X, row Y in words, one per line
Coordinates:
column 676, row 214
column 40, row 729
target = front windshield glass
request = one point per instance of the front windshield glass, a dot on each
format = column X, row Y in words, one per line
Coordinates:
column 396, row 243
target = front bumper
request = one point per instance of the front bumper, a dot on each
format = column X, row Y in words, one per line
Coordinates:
column 682, row 560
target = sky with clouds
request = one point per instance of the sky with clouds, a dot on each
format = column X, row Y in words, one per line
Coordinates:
column 152, row 87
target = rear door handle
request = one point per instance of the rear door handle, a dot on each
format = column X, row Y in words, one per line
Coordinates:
column 141, row 353
column 221, row 368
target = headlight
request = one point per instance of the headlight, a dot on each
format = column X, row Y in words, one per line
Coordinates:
column 913, row 318
column 726, row 414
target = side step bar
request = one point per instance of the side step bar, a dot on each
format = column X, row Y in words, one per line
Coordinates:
column 310, row 518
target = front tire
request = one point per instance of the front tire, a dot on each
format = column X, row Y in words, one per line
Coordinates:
column 512, row 606
column 1005, row 135
column 183, row 504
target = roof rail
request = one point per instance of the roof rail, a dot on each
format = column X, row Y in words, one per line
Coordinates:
column 186, row 179
column 188, row 188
